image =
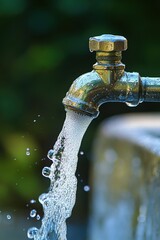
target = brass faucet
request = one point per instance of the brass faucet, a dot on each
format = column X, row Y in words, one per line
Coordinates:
column 108, row 82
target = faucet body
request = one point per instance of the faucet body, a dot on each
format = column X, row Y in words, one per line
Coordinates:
column 108, row 82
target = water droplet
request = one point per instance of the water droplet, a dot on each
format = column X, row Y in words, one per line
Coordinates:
column 86, row 188
column 34, row 120
column 132, row 104
column 38, row 217
column 50, row 154
column 39, row 115
column 28, row 152
column 81, row 153
column 32, row 232
column 33, row 213
column 33, row 201
column 43, row 198
column 46, row 171
column 9, row 217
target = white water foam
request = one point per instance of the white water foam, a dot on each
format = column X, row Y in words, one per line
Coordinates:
column 60, row 199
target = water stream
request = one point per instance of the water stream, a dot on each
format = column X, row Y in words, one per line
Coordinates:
column 58, row 202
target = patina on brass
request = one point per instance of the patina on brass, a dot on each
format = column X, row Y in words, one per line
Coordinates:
column 108, row 82
column 108, row 43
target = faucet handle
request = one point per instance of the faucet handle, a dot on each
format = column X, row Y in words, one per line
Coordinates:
column 108, row 43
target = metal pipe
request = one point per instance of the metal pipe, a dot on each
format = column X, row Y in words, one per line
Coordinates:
column 108, row 82
column 151, row 89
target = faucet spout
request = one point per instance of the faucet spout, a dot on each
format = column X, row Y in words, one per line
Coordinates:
column 85, row 94
column 88, row 92
column 92, row 89
column 108, row 82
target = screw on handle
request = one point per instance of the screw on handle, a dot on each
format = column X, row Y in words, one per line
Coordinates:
column 108, row 43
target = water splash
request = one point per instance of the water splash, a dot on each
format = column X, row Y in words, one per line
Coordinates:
column 38, row 217
column 60, row 199
column 32, row 232
column 86, row 188
column 9, row 217
column 33, row 213
column 28, row 152
column 81, row 153
column 46, row 171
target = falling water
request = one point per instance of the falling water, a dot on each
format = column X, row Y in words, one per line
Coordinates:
column 58, row 202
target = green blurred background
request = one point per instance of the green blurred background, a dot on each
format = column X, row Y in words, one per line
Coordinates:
column 43, row 48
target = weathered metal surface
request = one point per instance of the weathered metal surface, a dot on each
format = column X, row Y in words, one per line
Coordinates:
column 108, row 82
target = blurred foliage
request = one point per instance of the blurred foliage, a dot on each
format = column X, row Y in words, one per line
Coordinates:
column 44, row 47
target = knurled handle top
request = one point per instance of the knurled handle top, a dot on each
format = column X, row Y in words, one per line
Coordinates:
column 108, row 43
